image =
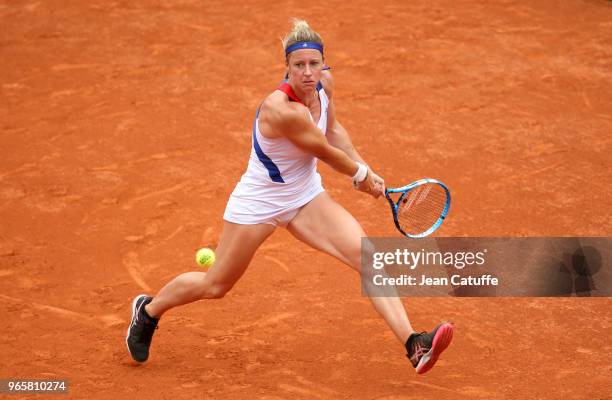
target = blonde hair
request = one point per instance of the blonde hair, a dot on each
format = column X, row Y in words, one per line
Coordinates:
column 301, row 32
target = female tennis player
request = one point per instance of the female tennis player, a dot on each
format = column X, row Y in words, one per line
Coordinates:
column 294, row 127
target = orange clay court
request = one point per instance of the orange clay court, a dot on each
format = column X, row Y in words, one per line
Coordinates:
column 124, row 126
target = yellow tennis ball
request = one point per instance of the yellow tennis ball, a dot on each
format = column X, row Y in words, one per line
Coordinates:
column 205, row 257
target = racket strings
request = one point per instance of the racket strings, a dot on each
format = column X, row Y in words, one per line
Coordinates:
column 421, row 208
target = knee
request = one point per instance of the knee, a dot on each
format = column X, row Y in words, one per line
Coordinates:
column 367, row 252
column 360, row 255
column 214, row 290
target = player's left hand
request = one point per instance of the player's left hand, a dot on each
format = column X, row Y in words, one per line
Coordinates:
column 373, row 185
column 379, row 185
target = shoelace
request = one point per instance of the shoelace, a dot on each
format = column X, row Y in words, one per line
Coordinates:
column 418, row 348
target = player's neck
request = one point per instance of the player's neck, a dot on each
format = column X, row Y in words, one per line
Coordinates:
column 306, row 97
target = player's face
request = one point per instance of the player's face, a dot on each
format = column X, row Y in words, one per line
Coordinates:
column 304, row 69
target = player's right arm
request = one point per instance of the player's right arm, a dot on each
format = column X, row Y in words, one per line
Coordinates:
column 294, row 123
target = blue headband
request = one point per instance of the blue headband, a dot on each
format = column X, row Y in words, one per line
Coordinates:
column 303, row 45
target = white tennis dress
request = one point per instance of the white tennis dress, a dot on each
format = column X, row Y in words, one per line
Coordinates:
column 279, row 180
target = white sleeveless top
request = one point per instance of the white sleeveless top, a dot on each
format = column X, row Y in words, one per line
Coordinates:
column 279, row 176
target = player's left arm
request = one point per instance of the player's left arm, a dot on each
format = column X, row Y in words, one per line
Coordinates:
column 337, row 136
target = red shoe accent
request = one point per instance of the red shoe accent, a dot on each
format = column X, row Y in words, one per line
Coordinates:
column 443, row 338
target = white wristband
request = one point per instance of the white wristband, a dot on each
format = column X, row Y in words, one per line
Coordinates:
column 361, row 174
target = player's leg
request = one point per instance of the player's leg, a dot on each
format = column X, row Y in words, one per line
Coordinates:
column 327, row 226
column 236, row 248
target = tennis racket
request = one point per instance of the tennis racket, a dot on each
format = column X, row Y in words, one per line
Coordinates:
column 420, row 208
